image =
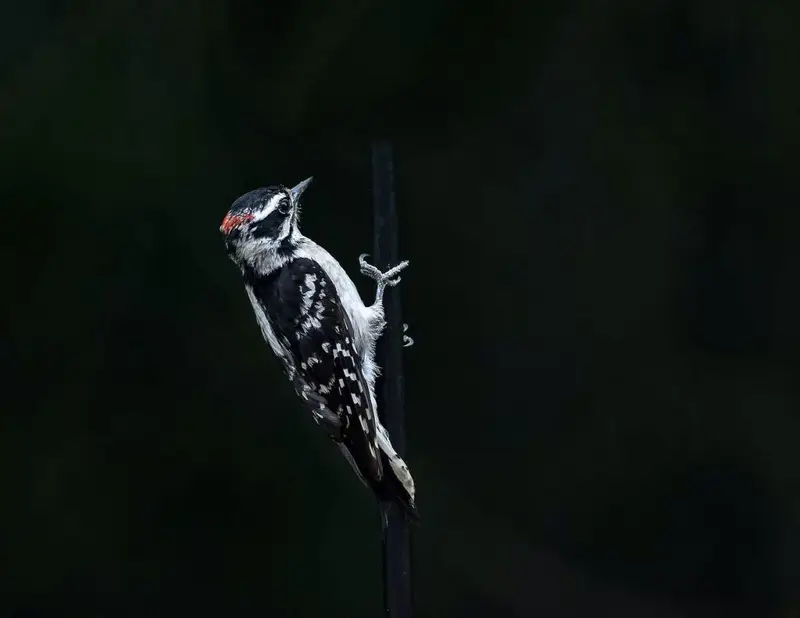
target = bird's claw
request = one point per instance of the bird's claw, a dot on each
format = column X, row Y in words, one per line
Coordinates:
column 383, row 278
column 407, row 341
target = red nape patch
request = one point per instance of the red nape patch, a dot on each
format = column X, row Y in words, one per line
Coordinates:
column 231, row 222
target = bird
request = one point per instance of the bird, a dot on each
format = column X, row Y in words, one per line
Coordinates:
column 312, row 316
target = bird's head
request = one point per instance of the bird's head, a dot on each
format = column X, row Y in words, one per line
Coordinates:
column 262, row 222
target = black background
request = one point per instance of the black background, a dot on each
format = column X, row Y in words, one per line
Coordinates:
column 600, row 204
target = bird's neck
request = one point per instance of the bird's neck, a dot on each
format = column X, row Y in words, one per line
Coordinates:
column 265, row 257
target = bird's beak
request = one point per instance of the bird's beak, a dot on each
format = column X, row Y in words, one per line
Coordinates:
column 298, row 190
column 231, row 222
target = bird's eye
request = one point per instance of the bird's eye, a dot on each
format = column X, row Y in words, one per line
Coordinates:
column 284, row 206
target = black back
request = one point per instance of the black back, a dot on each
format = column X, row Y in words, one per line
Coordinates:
column 302, row 305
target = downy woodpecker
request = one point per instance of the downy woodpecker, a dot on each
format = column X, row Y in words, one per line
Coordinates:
column 313, row 318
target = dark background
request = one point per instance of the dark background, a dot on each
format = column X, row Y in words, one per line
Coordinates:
column 600, row 204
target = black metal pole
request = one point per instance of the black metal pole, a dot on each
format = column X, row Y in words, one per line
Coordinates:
column 396, row 547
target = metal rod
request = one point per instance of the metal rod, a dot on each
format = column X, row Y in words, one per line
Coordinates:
column 396, row 546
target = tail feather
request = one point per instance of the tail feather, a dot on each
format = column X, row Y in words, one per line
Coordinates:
column 408, row 511
column 398, row 484
column 397, row 497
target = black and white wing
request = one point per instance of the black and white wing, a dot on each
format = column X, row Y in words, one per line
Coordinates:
column 307, row 319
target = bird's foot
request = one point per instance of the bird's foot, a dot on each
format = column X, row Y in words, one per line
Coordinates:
column 407, row 341
column 389, row 278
